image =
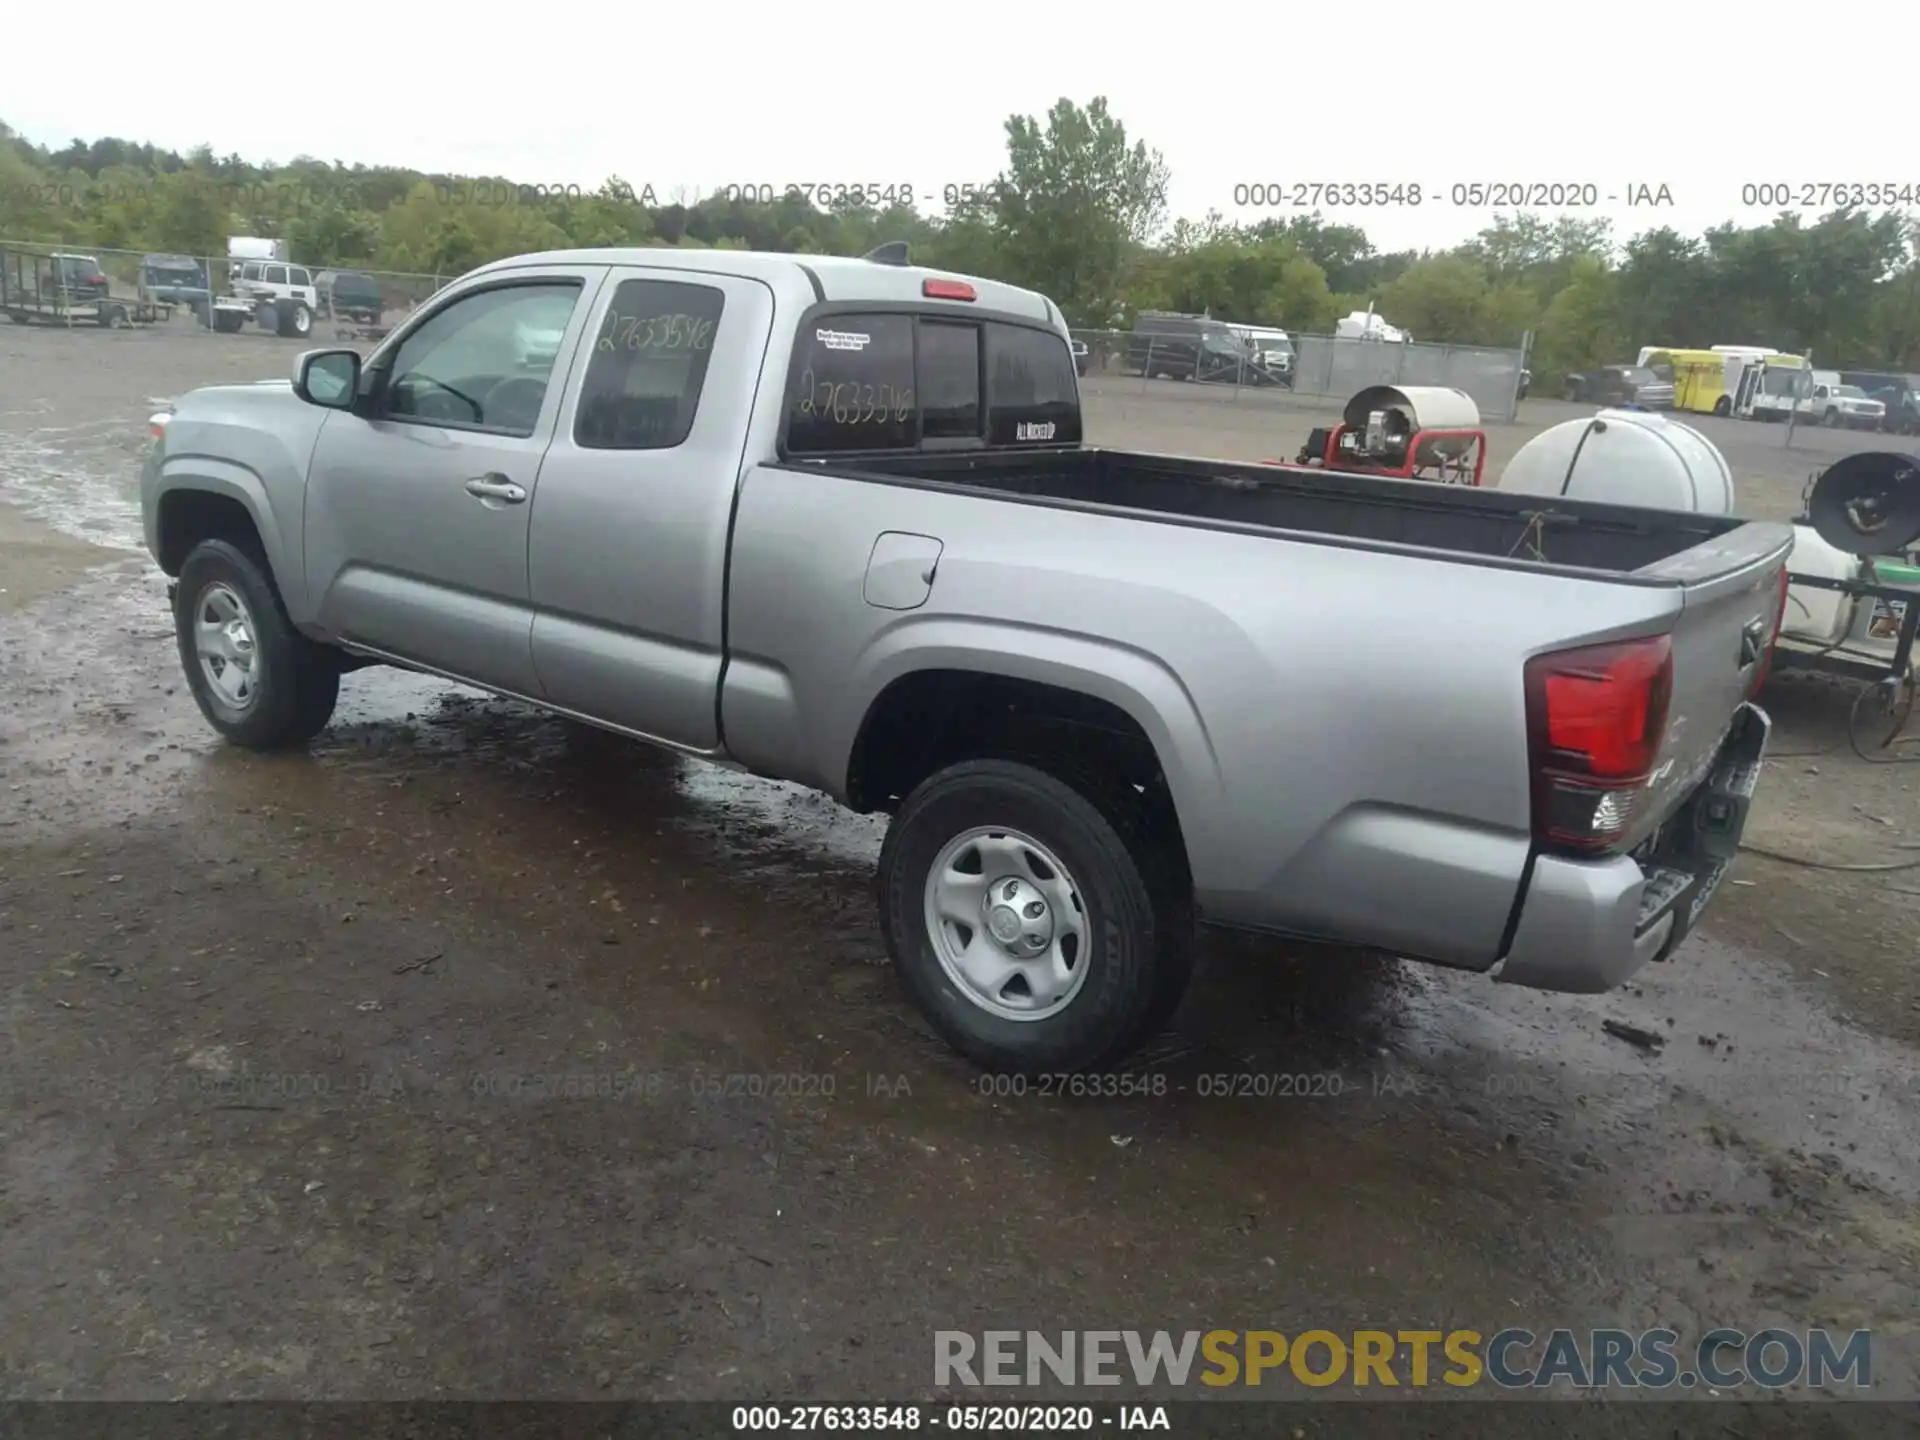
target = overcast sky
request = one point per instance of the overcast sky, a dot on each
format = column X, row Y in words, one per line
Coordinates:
column 1700, row 101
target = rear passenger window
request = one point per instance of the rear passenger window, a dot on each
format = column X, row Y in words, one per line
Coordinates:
column 648, row 366
column 949, row 371
column 1031, row 392
column 298, row 276
column 855, row 386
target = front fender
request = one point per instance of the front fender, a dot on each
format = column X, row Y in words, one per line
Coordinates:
column 251, row 444
column 206, row 475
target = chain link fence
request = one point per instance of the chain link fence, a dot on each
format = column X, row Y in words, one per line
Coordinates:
column 1320, row 365
column 68, row 282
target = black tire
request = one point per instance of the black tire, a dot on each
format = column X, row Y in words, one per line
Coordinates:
column 292, row 320
column 1574, row 394
column 1723, row 406
column 113, row 317
column 299, row 681
column 1831, row 419
column 1139, row 909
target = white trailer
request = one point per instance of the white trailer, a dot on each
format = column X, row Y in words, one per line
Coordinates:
column 1365, row 325
column 254, row 247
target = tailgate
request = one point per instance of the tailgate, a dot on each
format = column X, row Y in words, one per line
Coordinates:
column 1731, row 597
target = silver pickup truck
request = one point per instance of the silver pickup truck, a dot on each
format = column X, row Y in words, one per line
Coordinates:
column 831, row 520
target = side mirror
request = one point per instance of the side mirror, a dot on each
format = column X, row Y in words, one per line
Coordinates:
column 328, row 378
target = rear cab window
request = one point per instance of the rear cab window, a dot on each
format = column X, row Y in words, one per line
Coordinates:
column 648, row 366
column 901, row 381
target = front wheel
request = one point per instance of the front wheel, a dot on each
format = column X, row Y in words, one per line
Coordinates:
column 1032, row 921
column 260, row 683
column 292, row 319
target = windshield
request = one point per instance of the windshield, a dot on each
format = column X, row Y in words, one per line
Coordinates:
column 1639, row 376
column 1850, row 392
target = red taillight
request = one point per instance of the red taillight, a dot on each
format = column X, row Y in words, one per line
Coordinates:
column 947, row 290
column 1596, row 717
column 1761, row 670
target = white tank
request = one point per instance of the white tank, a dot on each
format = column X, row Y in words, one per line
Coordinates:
column 1625, row 457
column 1812, row 613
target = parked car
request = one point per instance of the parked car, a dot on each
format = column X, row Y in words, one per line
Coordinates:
column 1837, row 405
column 1194, row 347
column 265, row 282
column 1899, row 397
column 1620, row 385
column 348, row 294
column 81, row 279
column 174, row 279
column 1100, row 693
column 1271, row 346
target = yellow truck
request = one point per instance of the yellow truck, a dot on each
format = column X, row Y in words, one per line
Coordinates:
column 1744, row 380
column 1704, row 381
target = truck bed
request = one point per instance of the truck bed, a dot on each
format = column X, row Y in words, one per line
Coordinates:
column 1317, row 504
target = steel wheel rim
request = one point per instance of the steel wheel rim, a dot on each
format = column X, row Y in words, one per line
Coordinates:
column 224, row 644
column 1008, row 923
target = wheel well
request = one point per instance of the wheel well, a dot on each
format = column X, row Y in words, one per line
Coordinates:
column 189, row 516
column 935, row 718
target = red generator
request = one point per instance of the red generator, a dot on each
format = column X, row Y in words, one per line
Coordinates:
column 1403, row 432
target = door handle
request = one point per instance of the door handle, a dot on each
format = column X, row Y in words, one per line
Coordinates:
column 495, row 486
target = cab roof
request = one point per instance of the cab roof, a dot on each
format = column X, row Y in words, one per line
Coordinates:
column 838, row 277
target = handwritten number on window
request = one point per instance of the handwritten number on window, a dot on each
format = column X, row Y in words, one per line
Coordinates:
column 655, row 333
column 852, row 402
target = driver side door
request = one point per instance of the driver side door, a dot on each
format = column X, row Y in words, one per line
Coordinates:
column 418, row 500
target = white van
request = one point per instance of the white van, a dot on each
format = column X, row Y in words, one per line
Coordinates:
column 1272, row 347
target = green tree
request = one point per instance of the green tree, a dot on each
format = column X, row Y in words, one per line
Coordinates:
column 1581, row 327
column 1441, row 299
column 1074, row 203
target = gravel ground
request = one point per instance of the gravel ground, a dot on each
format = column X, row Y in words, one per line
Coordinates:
column 267, row 1028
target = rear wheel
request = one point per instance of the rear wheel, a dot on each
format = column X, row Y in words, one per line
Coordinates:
column 1723, row 406
column 260, row 682
column 1034, row 920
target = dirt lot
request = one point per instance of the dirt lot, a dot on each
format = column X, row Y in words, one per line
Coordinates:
column 272, row 1034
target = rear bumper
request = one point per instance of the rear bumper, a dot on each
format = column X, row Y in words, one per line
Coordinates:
column 1587, row 925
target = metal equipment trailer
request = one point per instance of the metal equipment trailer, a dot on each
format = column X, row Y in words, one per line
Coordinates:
column 33, row 291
